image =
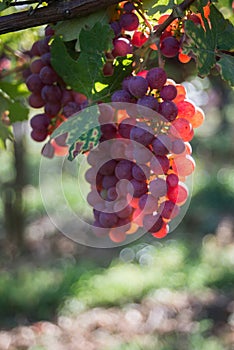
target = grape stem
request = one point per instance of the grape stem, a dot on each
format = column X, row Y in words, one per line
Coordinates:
column 178, row 12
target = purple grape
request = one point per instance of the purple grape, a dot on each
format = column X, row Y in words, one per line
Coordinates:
column 161, row 145
column 172, row 180
column 108, row 131
column 158, row 187
column 51, row 93
column 122, row 47
column 43, row 45
column 152, row 223
column 48, row 75
column 108, row 219
column 142, row 133
column 170, row 47
column 112, row 194
column 70, row 109
column 123, row 169
column 160, row 165
column 39, row 135
column 46, row 58
column 178, row 146
column 129, row 21
column 36, row 101
column 169, row 110
column 156, row 78
column 116, row 27
column 148, row 102
column 137, row 86
column 40, row 121
column 34, row 83
column 139, row 188
column 108, row 168
column 109, row 181
column 168, row 92
column 125, row 212
column 148, row 203
column 126, row 126
column 169, row 210
column 52, row 109
column 37, row 65
column 129, row 7
column 121, row 96
column 140, row 173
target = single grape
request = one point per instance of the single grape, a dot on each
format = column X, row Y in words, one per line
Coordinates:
column 34, row 83
column 178, row 146
column 181, row 128
column 172, row 180
column 37, row 65
column 128, row 7
column 61, row 139
column 148, row 203
column 48, row 75
column 123, row 169
column 39, row 135
column 142, row 133
column 40, row 121
column 126, row 126
column 52, row 109
column 121, row 96
column 158, row 187
column 109, row 181
column 140, row 173
column 160, row 165
column 129, row 21
column 162, row 145
column 148, row 102
column 156, row 78
column 36, row 101
column 139, row 188
column 109, row 131
column 122, row 47
column 170, row 47
column 137, row 86
column 116, row 27
column 152, row 223
column 48, row 150
column 51, row 93
column 139, row 39
column 108, row 220
column 169, row 210
column 178, row 194
column 108, row 168
column 70, row 109
column 168, row 92
column 169, row 110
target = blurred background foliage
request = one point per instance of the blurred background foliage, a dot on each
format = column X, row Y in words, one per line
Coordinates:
column 46, row 277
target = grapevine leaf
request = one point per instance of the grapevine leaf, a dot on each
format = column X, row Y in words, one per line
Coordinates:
column 206, row 42
column 5, row 134
column 81, row 74
column 83, row 131
column 202, row 44
column 85, row 142
column 160, row 6
column 17, row 111
column 123, row 68
column 70, row 30
column 226, row 64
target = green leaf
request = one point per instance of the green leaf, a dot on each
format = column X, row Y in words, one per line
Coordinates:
column 206, row 44
column 83, row 131
column 160, row 6
column 123, row 68
column 85, row 142
column 226, row 64
column 10, row 100
column 81, row 74
column 5, row 134
column 70, row 30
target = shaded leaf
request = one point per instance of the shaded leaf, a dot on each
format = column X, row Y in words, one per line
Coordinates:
column 82, row 129
column 226, row 64
column 160, row 6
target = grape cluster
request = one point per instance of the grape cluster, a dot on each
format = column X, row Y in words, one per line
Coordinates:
column 49, row 91
column 138, row 170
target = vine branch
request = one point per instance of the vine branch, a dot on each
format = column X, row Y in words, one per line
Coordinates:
column 59, row 10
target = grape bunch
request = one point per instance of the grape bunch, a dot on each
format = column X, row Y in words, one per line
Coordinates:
column 131, row 33
column 49, row 91
column 139, row 169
